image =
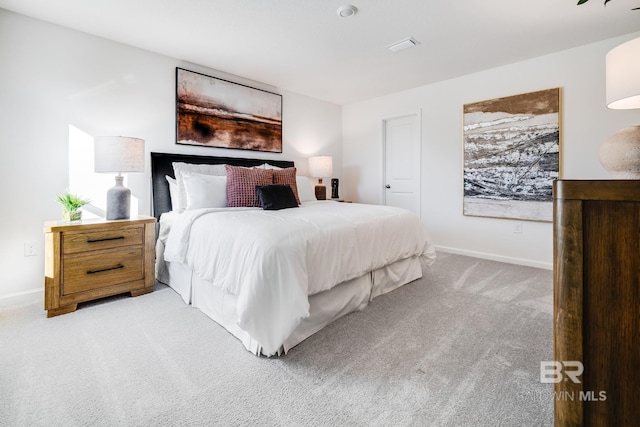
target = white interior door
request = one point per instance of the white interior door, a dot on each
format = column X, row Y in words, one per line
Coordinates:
column 402, row 161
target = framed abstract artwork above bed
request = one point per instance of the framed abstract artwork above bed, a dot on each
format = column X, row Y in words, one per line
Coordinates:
column 213, row 112
column 512, row 156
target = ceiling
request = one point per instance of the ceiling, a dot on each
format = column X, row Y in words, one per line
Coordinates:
column 305, row 47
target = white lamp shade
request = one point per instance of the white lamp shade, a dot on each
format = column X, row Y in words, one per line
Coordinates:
column 321, row 166
column 623, row 76
column 118, row 154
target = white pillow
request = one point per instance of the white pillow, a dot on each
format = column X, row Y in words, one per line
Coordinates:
column 205, row 191
column 179, row 168
column 173, row 192
column 268, row 166
column 306, row 192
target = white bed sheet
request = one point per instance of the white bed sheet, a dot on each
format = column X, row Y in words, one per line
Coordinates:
column 272, row 261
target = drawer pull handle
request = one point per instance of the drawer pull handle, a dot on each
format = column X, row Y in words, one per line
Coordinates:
column 105, row 269
column 106, row 239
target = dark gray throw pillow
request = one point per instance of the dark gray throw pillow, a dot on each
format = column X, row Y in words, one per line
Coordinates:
column 275, row 197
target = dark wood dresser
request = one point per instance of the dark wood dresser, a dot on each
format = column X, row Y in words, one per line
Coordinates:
column 597, row 301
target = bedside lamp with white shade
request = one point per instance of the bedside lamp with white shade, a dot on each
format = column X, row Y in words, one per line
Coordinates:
column 118, row 154
column 321, row 167
column 620, row 153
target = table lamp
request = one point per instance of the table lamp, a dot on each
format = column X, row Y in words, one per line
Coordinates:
column 319, row 167
column 620, row 153
column 118, row 154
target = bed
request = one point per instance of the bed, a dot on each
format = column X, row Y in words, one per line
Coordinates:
column 272, row 278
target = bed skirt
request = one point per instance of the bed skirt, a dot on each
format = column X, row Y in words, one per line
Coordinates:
column 324, row 307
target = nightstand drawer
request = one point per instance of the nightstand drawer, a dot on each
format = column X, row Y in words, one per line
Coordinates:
column 83, row 242
column 101, row 269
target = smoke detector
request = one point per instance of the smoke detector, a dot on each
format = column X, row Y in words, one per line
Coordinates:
column 347, row 11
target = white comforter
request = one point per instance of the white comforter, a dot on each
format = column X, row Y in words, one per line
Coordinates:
column 272, row 260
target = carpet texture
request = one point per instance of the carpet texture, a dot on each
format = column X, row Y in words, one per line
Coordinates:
column 460, row 347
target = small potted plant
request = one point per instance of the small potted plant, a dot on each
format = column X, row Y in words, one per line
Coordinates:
column 71, row 204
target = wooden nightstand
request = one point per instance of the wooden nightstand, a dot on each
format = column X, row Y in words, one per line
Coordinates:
column 97, row 258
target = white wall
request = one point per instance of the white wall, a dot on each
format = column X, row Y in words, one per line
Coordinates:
column 52, row 77
column 585, row 123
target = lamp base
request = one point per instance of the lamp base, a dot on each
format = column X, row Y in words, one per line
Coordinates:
column 321, row 192
column 118, row 201
column 620, row 153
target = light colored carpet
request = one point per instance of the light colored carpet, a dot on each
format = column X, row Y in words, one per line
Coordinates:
column 460, row 347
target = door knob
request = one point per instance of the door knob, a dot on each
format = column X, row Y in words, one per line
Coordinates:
column 387, row 186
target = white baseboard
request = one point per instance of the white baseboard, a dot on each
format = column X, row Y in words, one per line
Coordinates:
column 20, row 298
column 494, row 257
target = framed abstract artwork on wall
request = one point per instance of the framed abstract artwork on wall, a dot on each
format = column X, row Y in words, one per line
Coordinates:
column 512, row 156
column 213, row 112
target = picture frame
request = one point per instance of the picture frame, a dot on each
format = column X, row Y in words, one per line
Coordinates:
column 512, row 155
column 213, row 112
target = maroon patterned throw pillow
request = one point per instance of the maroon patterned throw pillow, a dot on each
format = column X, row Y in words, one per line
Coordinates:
column 241, row 185
column 287, row 177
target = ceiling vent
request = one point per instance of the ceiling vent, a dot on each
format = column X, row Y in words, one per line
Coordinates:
column 403, row 44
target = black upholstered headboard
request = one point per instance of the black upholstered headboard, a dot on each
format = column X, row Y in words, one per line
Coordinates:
column 162, row 164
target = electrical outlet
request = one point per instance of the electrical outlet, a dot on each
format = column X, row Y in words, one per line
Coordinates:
column 30, row 248
column 517, row 227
